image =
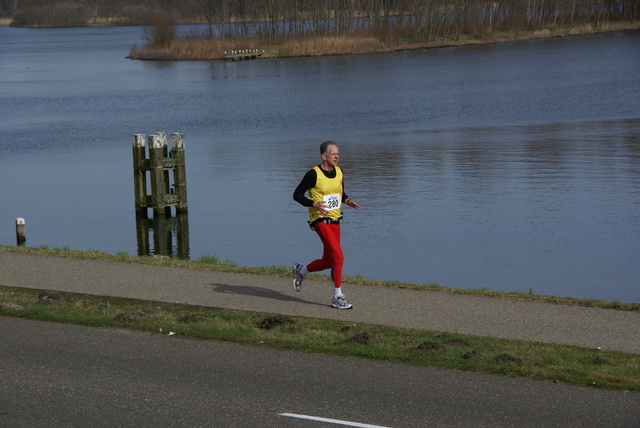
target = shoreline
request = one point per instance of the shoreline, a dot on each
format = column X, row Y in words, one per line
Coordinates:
column 522, row 36
column 352, row 44
column 217, row 53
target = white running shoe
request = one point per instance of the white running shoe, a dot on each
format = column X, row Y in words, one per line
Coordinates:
column 340, row 303
column 297, row 281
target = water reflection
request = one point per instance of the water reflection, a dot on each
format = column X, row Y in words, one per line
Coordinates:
column 163, row 236
column 511, row 166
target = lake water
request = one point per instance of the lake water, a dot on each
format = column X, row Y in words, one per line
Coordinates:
column 511, row 167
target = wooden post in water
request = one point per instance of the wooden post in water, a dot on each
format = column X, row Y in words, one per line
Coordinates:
column 140, row 166
column 158, row 157
column 20, row 235
column 182, row 237
column 179, row 176
column 167, row 174
column 162, row 236
column 165, row 186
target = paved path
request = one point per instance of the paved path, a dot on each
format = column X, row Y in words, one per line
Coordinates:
column 480, row 316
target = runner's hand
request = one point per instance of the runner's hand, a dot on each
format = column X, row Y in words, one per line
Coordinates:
column 322, row 206
column 351, row 203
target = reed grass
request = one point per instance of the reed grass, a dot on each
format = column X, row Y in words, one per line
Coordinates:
column 193, row 49
column 216, row 49
column 330, row 45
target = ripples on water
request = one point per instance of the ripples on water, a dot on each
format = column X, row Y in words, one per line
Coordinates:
column 514, row 167
column 539, row 205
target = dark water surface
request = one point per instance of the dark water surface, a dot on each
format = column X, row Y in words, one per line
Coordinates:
column 514, row 167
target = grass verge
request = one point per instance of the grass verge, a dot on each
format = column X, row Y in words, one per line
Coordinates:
column 570, row 365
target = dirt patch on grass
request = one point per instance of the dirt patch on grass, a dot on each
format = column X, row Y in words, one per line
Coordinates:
column 135, row 315
column 190, row 319
column 429, row 346
column 508, row 359
column 10, row 306
column 271, row 322
column 362, row 338
column 473, row 355
column 457, row 343
column 53, row 298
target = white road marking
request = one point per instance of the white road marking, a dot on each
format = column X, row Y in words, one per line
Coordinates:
column 331, row 421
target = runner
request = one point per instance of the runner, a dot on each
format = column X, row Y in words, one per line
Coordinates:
column 324, row 183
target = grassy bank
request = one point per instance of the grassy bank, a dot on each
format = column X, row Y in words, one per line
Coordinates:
column 352, row 44
column 536, row 361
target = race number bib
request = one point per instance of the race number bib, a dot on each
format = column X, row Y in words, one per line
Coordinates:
column 332, row 201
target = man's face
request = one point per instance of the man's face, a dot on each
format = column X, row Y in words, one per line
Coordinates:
column 331, row 156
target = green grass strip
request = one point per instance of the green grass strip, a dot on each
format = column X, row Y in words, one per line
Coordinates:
column 564, row 364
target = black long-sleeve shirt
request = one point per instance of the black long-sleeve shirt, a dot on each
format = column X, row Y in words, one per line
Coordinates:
column 309, row 181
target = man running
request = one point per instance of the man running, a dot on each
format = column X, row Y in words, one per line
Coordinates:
column 326, row 196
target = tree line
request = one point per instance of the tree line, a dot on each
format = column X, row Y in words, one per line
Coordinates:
column 400, row 20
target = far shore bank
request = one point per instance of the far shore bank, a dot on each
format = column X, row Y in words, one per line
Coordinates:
column 523, row 35
column 217, row 49
column 351, row 44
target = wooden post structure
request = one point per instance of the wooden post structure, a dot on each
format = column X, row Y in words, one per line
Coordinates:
column 158, row 156
column 139, row 175
column 164, row 186
column 180, row 176
column 167, row 175
column 21, row 238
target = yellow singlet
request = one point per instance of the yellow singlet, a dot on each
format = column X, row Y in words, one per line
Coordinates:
column 328, row 190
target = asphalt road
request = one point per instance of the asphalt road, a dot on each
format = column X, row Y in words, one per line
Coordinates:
column 57, row 375
column 72, row 376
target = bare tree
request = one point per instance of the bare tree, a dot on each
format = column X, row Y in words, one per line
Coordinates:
column 213, row 12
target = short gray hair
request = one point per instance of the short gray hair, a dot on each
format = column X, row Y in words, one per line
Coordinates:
column 324, row 147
